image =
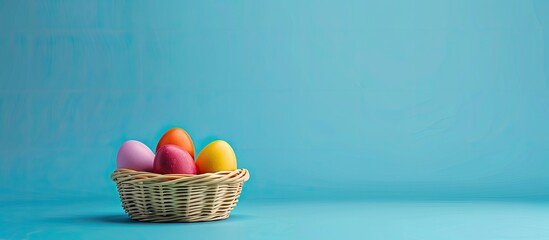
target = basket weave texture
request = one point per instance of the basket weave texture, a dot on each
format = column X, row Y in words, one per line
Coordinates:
column 152, row 197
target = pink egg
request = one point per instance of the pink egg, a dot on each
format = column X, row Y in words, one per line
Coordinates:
column 171, row 159
column 136, row 156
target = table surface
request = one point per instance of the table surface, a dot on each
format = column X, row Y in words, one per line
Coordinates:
column 286, row 220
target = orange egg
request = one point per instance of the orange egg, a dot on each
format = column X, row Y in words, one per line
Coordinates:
column 179, row 137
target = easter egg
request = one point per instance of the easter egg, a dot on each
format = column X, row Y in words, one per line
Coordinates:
column 171, row 159
column 136, row 156
column 178, row 137
column 216, row 156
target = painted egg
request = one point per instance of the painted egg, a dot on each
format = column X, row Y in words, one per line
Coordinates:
column 171, row 159
column 136, row 156
column 216, row 156
column 178, row 137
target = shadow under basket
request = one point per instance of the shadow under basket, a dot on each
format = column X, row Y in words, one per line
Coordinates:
column 151, row 197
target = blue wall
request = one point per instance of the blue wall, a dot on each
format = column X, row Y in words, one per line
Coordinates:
column 320, row 99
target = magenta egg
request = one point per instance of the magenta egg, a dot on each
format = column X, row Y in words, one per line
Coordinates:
column 171, row 159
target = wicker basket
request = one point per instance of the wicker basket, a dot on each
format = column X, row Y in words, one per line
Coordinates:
column 152, row 197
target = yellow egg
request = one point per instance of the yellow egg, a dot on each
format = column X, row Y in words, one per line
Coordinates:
column 216, row 156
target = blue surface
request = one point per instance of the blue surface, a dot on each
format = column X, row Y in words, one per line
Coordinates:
column 342, row 101
column 290, row 220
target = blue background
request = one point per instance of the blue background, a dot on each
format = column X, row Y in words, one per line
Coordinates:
column 321, row 100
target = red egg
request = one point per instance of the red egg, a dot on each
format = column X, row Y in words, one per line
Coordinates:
column 171, row 159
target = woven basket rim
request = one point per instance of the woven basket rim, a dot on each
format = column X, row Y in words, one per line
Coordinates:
column 124, row 175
